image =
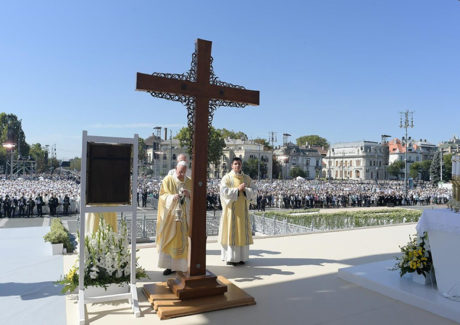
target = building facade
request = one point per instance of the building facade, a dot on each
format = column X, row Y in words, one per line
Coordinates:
column 360, row 160
column 290, row 156
column 161, row 155
column 246, row 150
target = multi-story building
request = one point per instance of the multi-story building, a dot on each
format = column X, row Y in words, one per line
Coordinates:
column 246, row 150
column 162, row 154
column 450, row 146
column 360, row 160
column 416, row 151
column 306, row 158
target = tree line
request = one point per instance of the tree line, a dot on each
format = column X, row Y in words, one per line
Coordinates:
column 427, row 170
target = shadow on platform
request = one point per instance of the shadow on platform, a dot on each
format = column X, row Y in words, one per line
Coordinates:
column 29, row 291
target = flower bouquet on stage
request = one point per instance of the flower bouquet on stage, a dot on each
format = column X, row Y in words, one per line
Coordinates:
column 107, row 260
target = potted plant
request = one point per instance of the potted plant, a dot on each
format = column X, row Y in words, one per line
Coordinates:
column 59, row 237
column 107, row 263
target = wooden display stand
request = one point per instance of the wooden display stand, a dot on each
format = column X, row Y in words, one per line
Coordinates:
column 108, row 165
column 167, row 305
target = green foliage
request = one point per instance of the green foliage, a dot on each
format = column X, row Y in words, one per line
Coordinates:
column 142, row 153
column 447, row 168
column 59, row 234
column 276, row 168
column 415, row 257
column 40, row 155
column 232, row 134
column 75, row 164
column 296, row 171
column 216, row 144
column 263, row 142
column 313, row 140
column 346, row 219
column 250, row 167
column 435, row 168
column 10, row 123
column 396, row 168
column 421, row 169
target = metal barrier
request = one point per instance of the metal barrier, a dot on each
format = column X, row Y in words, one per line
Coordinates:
column 146, row 227
column 271, row 226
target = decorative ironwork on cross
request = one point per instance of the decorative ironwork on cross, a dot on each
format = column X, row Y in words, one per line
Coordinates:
column 201, row 92
column 189, row 101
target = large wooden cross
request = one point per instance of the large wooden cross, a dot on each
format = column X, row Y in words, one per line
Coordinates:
column 206, row 92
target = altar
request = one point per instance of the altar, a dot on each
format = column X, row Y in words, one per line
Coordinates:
column 443, row 228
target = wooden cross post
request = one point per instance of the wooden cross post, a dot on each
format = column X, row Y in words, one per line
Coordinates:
column 203, row 91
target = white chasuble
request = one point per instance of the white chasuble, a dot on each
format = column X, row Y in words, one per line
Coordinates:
column 235, row 232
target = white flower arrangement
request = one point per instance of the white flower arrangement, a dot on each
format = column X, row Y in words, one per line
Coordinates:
column 107, row 259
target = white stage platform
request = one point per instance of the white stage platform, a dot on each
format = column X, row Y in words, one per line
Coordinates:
column 28, row 294
column 410, row 289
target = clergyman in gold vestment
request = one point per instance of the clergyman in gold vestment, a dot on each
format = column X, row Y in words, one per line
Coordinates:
column 235, row 233
column 173, row 220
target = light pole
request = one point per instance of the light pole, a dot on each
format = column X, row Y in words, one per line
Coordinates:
column 9, row 146
column 258, row 164
column 404, row 124
column 440, row 165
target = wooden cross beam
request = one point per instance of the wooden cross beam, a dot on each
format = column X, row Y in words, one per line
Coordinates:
column 203, row 91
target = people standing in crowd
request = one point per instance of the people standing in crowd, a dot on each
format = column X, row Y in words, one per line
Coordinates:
column 39, row 203
column 66, row 204
column 30, row 207
column 22, row 205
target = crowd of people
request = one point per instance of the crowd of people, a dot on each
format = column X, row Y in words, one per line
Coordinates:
column 60, row 195
column 294, row 194
column 37, row 195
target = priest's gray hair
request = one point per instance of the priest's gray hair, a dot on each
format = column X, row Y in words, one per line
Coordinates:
column 181, row 163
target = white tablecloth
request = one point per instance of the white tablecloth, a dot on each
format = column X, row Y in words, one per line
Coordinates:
column 439, row 219
column 443, row 228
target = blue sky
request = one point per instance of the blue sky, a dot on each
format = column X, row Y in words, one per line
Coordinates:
column 340, row 69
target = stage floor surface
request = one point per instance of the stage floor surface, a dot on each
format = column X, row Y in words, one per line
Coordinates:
column 28, row 293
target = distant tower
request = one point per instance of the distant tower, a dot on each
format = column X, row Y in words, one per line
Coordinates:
column 272, row 138
column 286, row 138
column 384, row 138
column 157, row 131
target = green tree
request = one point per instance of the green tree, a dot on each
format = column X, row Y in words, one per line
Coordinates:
column 312, row 140
column 250, row 167
column 421, row 169
column 395, row 168
column 216, row 144
column 232, row 134
column 40, row 156
column 141, row 153
column 296, row 171
column 276, row 168
column 263, row 142
column 11, row 127
column 447, row 168
column 435, row 169
column 75, row 164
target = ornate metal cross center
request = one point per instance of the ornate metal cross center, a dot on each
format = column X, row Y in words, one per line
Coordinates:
column 201, row 92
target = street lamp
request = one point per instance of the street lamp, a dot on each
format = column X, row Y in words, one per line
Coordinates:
column 408, row 122
column 258, row 164
column 9, row 146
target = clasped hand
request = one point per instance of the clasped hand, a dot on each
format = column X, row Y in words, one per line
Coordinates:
column 242, row 187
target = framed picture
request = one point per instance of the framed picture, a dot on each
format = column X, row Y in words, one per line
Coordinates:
column 108, row 173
